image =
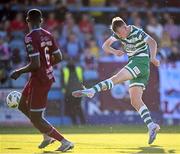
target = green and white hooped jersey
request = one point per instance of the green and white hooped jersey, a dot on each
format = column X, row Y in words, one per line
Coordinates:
column 135, row 43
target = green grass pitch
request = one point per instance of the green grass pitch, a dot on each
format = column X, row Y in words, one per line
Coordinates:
column 112, row 139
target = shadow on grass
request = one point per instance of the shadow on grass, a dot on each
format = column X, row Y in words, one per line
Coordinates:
column 149, row 149
column 48, row 152
column 13, row 148
column 53, row 152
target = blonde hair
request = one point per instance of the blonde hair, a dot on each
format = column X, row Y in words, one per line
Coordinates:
column 116, row 19
column 116, row 22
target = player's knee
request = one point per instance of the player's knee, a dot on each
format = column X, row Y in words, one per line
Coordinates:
column 135, row 101
column 119, row 77
column 115, row 79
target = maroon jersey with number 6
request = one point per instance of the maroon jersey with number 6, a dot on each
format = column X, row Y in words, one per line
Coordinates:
column 41, row 42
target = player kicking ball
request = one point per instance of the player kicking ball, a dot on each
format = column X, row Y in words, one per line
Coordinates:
column 137, row 45
column 43, row 54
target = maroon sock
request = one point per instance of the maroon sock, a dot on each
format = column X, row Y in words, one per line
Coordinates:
column 55, row 134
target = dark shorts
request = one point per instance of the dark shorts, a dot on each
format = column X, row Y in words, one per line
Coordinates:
column 36, row 94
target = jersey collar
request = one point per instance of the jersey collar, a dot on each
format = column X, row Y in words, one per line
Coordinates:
column 35, row 29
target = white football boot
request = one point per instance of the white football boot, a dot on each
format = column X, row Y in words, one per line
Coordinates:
column 86, row 92
column 153, row 129
column 65, row 146
column 46, row 142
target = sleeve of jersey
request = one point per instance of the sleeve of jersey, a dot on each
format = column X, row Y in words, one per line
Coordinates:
column 31, row 47
column 143, row 36
column 55, row 48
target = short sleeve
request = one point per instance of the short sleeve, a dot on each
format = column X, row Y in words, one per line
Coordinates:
column 55, row 47
column 143, row 36
column 31, row 47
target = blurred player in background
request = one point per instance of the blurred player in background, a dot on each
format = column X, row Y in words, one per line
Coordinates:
column 43, row 54
column 141, row 50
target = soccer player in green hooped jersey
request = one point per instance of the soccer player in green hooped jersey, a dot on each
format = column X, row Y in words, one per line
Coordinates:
column 141, row 50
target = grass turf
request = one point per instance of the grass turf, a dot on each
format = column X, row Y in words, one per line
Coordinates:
column 92, row 140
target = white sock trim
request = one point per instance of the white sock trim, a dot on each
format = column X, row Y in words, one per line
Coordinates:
column 110, row 81
column 144, row 114
column 148, row 118
column 142, row 108
column 98, row 88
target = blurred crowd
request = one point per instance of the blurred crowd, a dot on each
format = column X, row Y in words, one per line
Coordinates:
column 80, row 35
column 118, row 3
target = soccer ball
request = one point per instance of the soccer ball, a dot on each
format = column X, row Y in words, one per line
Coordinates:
column 13, row 99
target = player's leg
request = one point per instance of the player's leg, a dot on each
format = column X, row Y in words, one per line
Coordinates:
column 46, row 128
column 37, row 107
column 141, row 68
column 107, row 84
column 136, row 93
column 23, row 107
column 46, row 139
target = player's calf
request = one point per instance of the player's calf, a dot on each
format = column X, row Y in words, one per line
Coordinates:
column 44, row 127
column 101, row 86
column 153, row 127
column 41, row 124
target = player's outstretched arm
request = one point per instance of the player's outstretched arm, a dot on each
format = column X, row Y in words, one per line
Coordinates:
column 56, row 57
column 32, row 66
column 153, row 50
column 108, row 49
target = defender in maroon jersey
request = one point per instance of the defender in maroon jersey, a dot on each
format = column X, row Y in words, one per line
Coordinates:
column 43, row 53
